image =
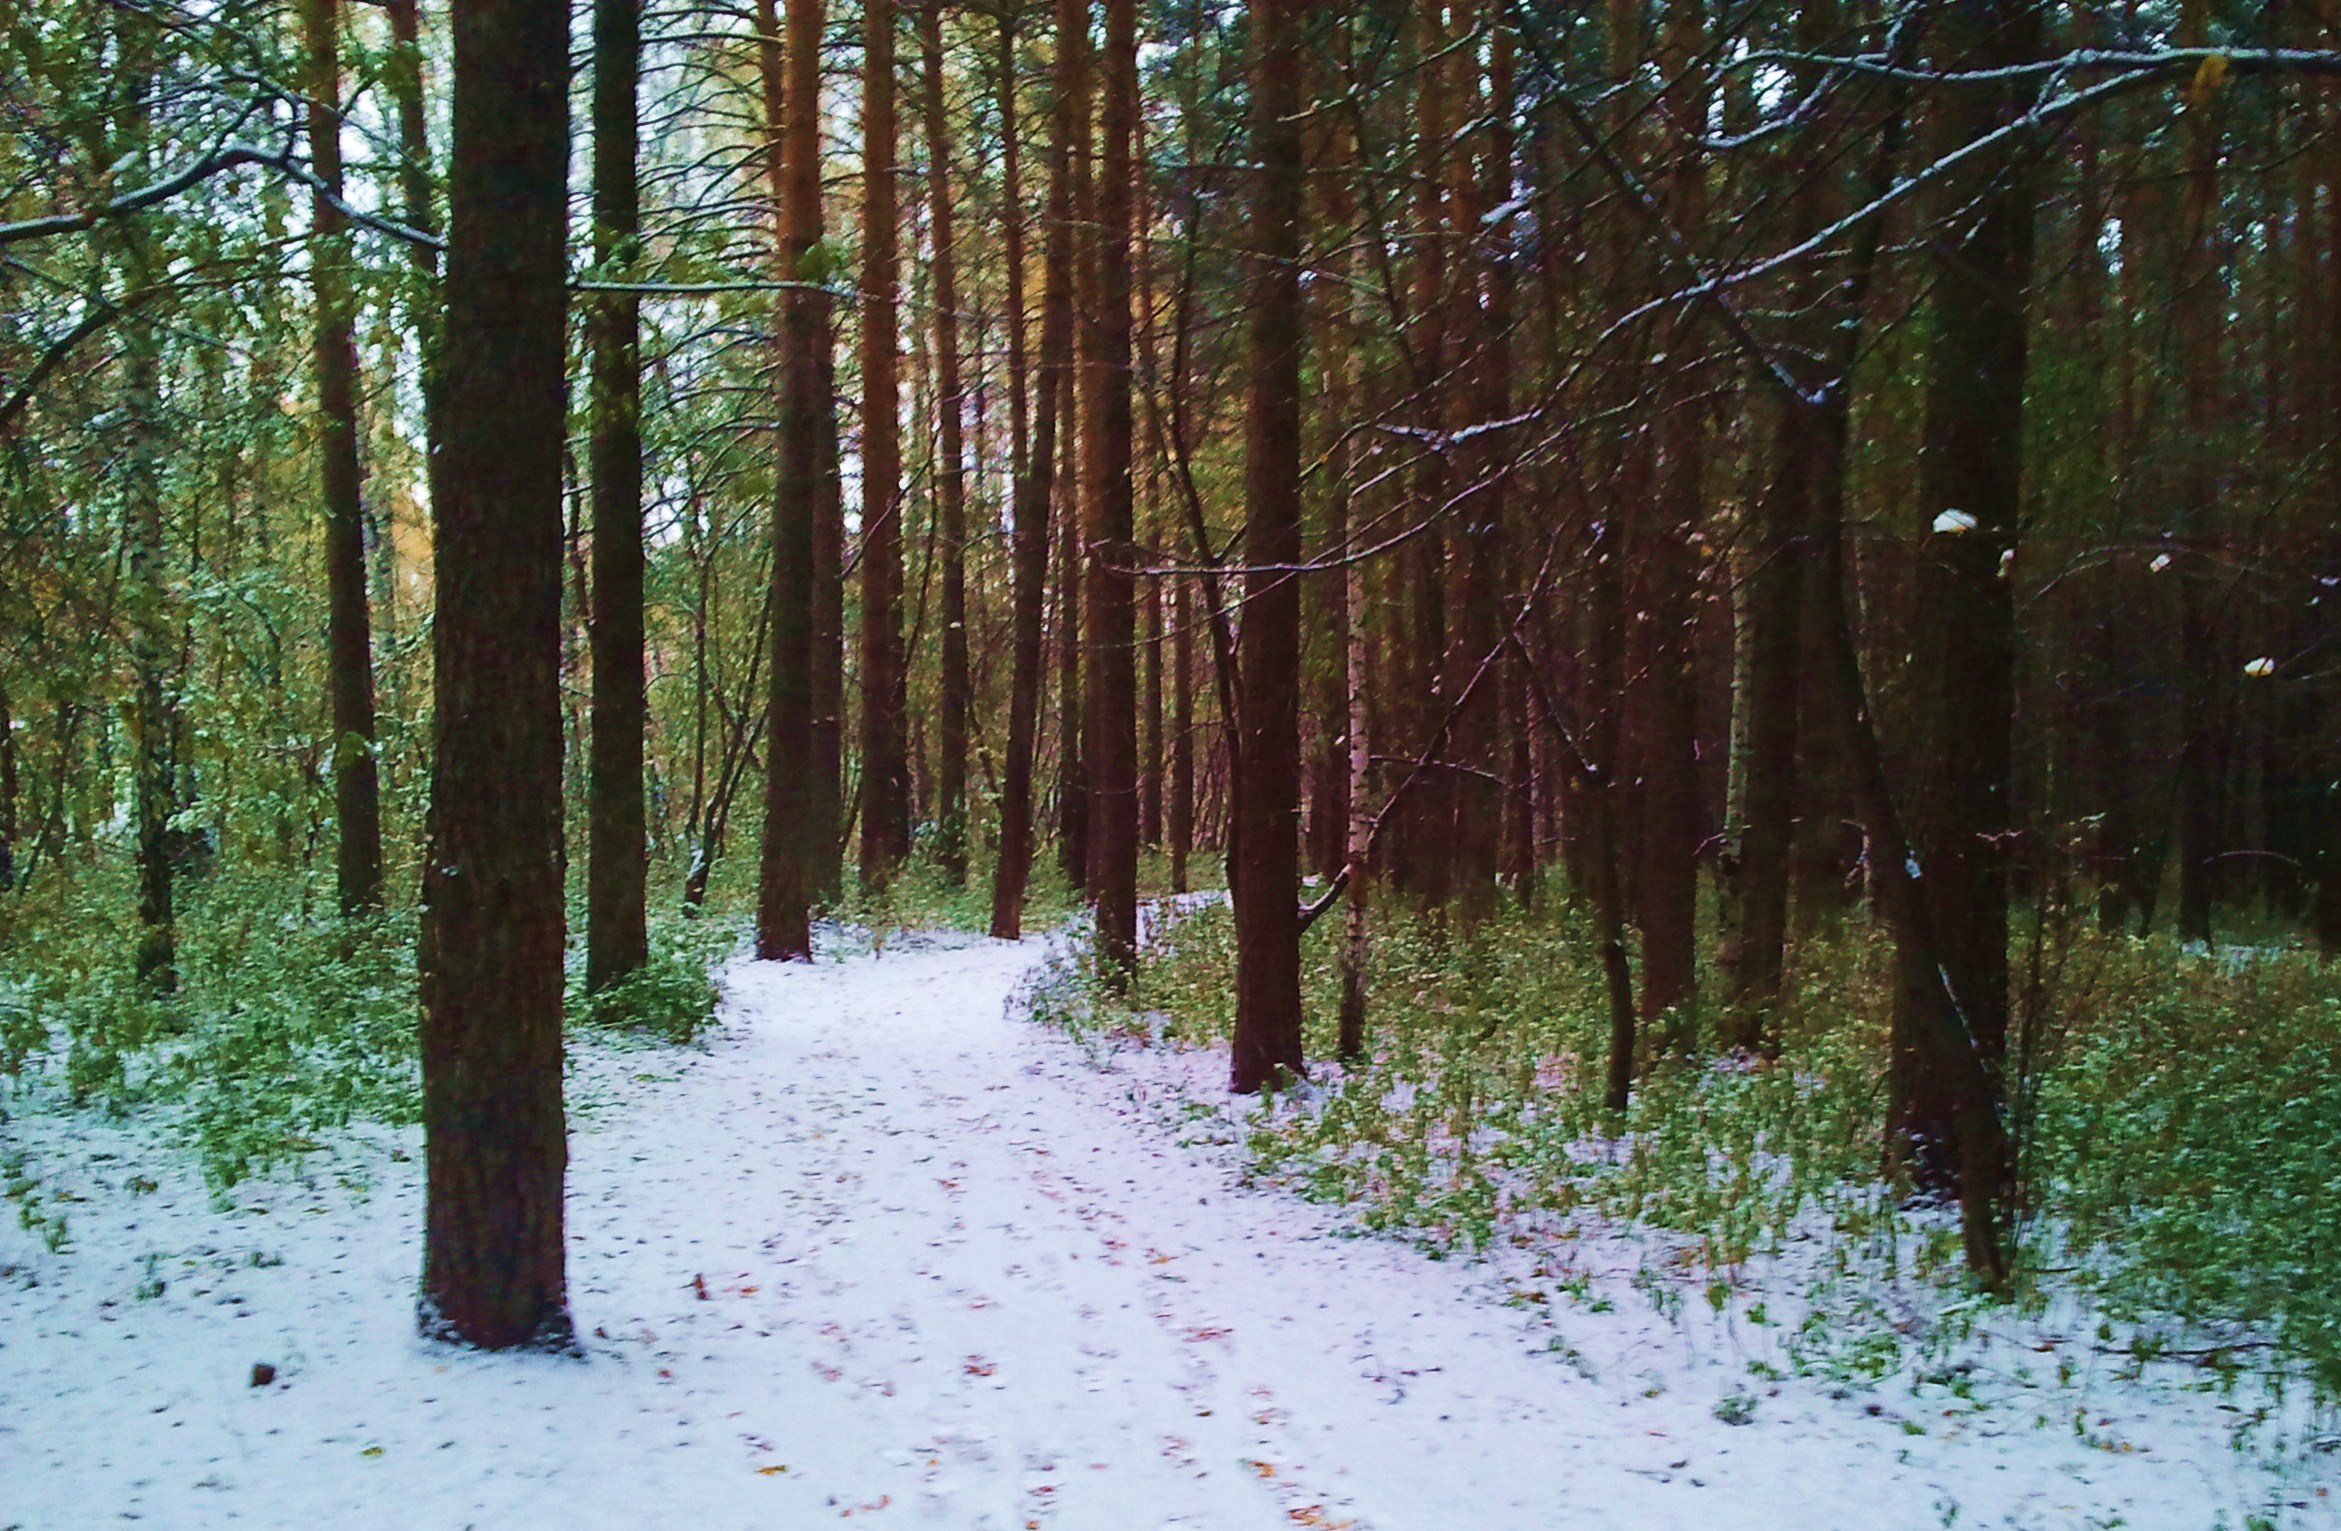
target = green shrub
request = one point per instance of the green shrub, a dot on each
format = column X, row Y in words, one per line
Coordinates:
column 673, row 996
column 2179, row 1121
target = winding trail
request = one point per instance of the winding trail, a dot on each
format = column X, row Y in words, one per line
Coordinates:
column 886, row 1252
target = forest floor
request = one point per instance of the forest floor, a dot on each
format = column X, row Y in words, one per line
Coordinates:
column 883, row 1249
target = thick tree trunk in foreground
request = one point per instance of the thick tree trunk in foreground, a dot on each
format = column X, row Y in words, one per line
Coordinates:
column 357, row 793
column 1030, row 503
column 1267, row 1044
column 884, row 773
column 491, row 944
column 951, row 470
column 1110, row 614
column 617, row 941
column 788, row 873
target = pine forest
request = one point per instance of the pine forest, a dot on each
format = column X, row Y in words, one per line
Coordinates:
column 1079, row 763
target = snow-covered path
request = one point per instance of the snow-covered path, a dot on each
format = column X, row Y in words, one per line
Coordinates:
column 886, row 1252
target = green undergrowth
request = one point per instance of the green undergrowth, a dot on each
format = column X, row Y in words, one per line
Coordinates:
column 2179, row 1119
column 287, row 1021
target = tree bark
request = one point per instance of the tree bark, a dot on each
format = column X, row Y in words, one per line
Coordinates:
column 1030, row 501
column 884, row 766
column 357, row 795
column 153, row 724
column 1110, row 610
column 491, row 943
column 1666, row 885
column 2200, row 313
column 1267, row 1043
column 617, row 940
column 1071, row 217
column 1179, row 812
column 951, row 470
column 1474, row 798
column 1970, row 494
column 788, row 873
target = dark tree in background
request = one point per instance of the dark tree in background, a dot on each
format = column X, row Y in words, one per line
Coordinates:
column 492, row 933
column 951, row 465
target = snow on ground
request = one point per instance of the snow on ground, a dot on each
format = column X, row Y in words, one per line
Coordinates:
column 887, row 1251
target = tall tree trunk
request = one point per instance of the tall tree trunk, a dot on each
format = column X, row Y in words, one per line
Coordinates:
column 2326, row 806
column 792, row 855
column 8, row 824
column 617, row 940
column 1771, row 682
column 357, row 795
column 1474, row 802
column 1970, row 490
column 884, row 767
column 492, row 939
column 826, row 824
column 1030, row 503
column 951, row 470
column 1110, row 611
column 403, row 74
column 1666, row 885
column 152, row 722
column 2200, row 313
column 1179, row 812
column 1150, row 616
column 1267, row 1044
column 1071, row 211
column 1421, row 857
column 1345, row 315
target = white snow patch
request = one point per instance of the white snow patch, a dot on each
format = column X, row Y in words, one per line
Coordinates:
column 884, row 1250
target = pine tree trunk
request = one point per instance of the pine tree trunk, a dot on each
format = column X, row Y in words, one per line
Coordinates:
column 1071, row 217
column 2200, row 313
column 788, row 872
column 1267, row 1044
column 1150, row 706
column 617, row 940
column 152, row 721
column 826, row 823
column 1030, row 503
column 1666, row 568
column 1110, row 611
column 1970, row 483
column 951, row 470
column 1420, row 853
column 357, row 796
column 491, row 944
column 1772, row 679
column 1471, row 674
column 403, row 74
column 884, row 765
column 1180, row 810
